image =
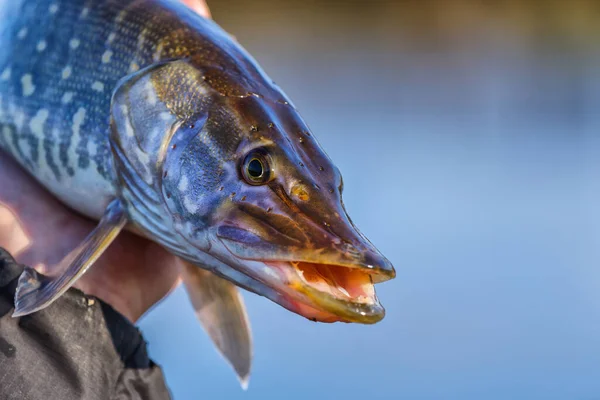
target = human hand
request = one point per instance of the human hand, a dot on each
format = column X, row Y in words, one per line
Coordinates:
column 132, row 275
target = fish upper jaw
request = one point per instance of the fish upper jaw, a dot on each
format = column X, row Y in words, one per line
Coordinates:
column 328, row 281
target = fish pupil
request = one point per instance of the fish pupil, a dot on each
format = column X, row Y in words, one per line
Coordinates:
column 255, row 168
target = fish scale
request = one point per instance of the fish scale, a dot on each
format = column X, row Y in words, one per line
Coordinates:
column 70, row 82
column 88, row 46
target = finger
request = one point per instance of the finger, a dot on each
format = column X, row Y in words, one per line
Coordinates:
column 132, row 275
column 12, row 237
column 199, row 6
column 40, row 216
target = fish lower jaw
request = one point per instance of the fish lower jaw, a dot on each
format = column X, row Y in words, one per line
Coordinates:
column 329, row 293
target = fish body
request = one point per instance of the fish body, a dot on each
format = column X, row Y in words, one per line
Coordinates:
column 60, row 63
column 142, row 113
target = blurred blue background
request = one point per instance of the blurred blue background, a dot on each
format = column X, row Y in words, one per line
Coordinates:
column 468, row 136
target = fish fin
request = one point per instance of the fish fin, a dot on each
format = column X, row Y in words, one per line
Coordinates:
column 36, row 291
column 220, row 308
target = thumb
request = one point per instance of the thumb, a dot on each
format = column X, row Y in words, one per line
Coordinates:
column 199, row 6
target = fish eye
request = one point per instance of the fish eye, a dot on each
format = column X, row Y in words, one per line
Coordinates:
column 256, row 169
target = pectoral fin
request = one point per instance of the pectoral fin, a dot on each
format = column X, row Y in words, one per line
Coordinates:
column 220, row 308
column 36, row 291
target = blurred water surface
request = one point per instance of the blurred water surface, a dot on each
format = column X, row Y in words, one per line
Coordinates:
column 468, row 136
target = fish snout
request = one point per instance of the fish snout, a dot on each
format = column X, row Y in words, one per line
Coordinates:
column 367, row 258
column 309, row 252
column 343, row 244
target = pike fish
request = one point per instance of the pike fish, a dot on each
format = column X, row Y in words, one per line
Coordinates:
column 145, row 116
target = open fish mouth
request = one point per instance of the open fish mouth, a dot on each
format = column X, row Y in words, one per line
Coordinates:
column 325, row 280
column 329, row 293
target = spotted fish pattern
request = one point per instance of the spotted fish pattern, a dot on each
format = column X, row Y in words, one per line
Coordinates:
column 59, row 64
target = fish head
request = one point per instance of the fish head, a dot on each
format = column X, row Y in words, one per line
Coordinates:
column 254, row 197
column 271, row 207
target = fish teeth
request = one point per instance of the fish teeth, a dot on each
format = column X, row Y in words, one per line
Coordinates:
column 364, row 299
column 341, row 289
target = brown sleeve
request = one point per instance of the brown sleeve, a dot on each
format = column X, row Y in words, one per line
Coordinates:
column 77, row 348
